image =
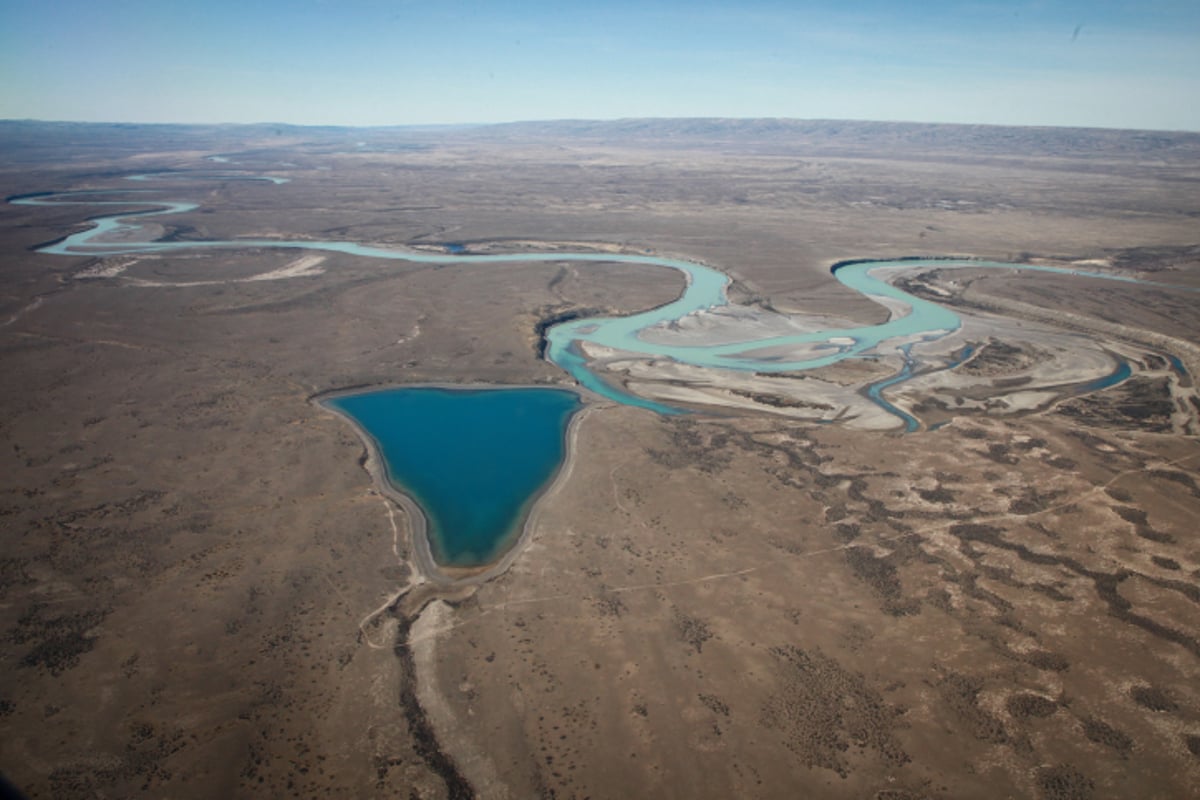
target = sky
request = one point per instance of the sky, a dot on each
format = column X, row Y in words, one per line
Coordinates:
column 1103, row 63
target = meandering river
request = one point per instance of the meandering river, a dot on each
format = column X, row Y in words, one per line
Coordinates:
column 912, row 319
column 471, row 524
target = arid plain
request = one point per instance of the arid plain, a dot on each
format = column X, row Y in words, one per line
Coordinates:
column 204, row 593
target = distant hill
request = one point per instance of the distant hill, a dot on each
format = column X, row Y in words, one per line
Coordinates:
column 31, row 140
column 856, row 137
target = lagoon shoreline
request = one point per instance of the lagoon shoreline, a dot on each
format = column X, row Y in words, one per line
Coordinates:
column 448, row 576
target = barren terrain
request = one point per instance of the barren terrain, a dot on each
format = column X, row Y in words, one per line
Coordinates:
column 202, row 591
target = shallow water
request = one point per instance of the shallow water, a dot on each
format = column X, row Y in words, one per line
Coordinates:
column 706, row 288
column 476, row 460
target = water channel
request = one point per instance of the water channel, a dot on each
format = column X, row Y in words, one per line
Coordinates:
column 410, row 427
column 917, row 318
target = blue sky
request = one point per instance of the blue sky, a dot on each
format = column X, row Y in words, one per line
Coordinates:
column 393, row 62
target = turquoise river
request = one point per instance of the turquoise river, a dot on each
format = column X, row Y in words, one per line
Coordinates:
column 455, row 534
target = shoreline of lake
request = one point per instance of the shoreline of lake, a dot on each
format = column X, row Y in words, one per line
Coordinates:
column 394, row 490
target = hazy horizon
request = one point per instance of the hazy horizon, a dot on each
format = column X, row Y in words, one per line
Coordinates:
column 613, row 120
column 371, row 63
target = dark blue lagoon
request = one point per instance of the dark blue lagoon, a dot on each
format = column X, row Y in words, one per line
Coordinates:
column 473, row 460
